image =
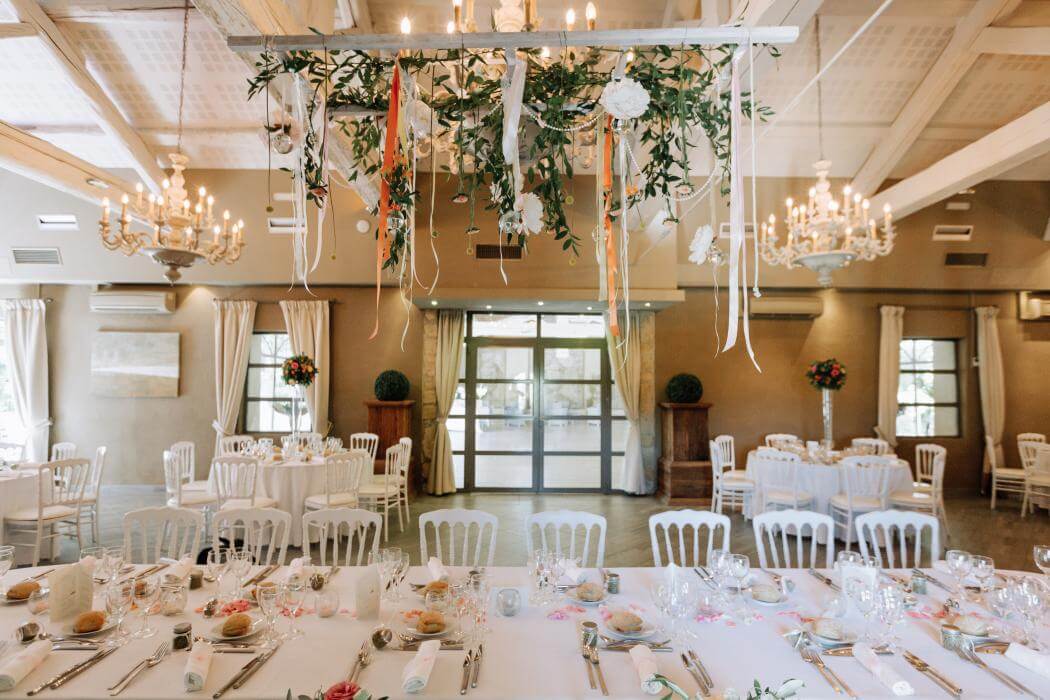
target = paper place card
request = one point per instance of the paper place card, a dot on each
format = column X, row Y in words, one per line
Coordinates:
column 852, row 572
column 366, row 594
column 71, row 590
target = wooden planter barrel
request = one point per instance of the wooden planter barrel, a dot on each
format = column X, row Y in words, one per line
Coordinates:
column 391, row 421
column 685, row 461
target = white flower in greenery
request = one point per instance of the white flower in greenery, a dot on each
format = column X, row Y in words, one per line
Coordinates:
column 531, row 209
column 789, row 688
column 701, row 244
column 625, row 98
column 419, row 117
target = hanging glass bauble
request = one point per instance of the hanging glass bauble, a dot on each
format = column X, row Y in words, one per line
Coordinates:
column 282, row 142
column 510, row 223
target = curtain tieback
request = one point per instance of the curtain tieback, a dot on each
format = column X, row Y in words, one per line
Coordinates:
column 219, row 429
column 439, row 420
column 41, row 424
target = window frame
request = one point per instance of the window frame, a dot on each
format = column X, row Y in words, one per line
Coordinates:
column 242, row 421
column 956, row 372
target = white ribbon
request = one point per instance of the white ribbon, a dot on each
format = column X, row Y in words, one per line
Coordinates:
column 219, row 429
column 513, row 91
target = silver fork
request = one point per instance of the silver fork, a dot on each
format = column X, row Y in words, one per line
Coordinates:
column 824, row 667
column 966, row 652
column 152, row 661
column 807, row 656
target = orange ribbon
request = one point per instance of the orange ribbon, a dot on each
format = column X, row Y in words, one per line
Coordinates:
column 389, row 155
column 610, row 244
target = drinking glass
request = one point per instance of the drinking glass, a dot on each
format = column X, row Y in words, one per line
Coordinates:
column 99, row 555
column 115, row 560
column 400, row 571
column 848, row 556
column 7, row 559
column 863, row 596
column 478, row 588
column 960, row 564
column 1028, row 597
column 983, row 570
column 38, row 601
column 719, row 563
column 147, row 591
column 119, row 596
column 889, row 607
column 216, row 563
column 660, row 594
column 1041, row 554
column 294, row 595
column 437, row 601
column 240, row 564
column 269, row 599
column 739, row 566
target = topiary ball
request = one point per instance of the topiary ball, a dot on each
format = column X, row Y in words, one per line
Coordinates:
column 684, row 388
column 392, row 385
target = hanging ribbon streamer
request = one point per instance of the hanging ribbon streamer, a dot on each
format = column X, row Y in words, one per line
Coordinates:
column 610, row 243
column 513, row 91
column 389, row 156
column 754, row 155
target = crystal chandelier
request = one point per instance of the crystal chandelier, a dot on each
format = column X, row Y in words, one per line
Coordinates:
column 183, row 232
column 822, row 234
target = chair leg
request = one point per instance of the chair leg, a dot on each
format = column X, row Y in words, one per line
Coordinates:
column 1024, row 503
column 993, row 491
column 386, row 519
column 36, row 549
column 94, row 522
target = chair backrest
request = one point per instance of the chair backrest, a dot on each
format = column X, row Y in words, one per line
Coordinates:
column 406, row 457
column 185, row 455
column 726, row 450
column 867, row 476
column 172, row 477
column 567, row 533
column 234, row 477
column 893, row 528
column 777, row 470
column 684, row 521
column 12, row 451
column 63, row 450
column 70, row 481
column 1041, row 465
column 773, row 529
column 361, row 528
column 391, row 464
column 1031, row 437
column 162, row 532
column 447, row 522
column 1028, row 449
column 262, row 531
column 95, row 477
column 992, row 453
column 343, row 473
column 717, row 465
column 925, row 455
column 234, row 444
column 365, row 441
column 775, row 439
column 877, row 446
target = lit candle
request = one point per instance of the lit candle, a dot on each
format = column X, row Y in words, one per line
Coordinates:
column 199, row 211
column 591, row 13
column 845, row 199
column 240, row 233
column 185, row 207
column 215, row 235
column 152, row 204
column 802, row 214
column 225, row 222
column 812, row 194
column 787, row 205
column 105, row 209
column 138, row 191
column 457, row 13
column 887, row 216
column 124, row 208
column 871, row 226
column 406, row 25
column 156, row 236
column 630, row 55
column 570, row 18
column 200, row 197
column 545, row 52
column 164, row 193
column 211, row 201
column 450, row 27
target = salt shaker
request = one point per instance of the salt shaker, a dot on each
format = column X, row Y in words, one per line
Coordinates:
column 182, row 639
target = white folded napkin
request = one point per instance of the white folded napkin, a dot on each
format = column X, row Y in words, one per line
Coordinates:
column 417, row 672
column 197, row 665
column 88, row 564
column 295, row 568
column 1029, row 658
column 570, row 570
column 177, row 569
column 437, row 569
column 885, row 675
column 15, row 668
column 645, row 664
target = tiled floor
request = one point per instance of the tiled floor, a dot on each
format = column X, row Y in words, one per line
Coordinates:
column 1002, row 533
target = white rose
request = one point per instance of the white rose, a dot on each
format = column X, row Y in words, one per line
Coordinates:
column 625, row 98
column 700, row 244
column 531, row 209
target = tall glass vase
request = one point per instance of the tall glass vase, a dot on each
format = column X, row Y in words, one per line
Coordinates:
column 298, row 404
column 826, row 409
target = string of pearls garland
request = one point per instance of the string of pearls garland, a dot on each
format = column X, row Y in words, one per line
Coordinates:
column 585, row 124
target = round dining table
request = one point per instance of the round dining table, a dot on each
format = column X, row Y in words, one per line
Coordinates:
column 534, row 655
column 289, row 483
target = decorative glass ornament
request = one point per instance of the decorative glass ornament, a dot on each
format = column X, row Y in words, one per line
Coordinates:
column 510, row 223
column 282, row 142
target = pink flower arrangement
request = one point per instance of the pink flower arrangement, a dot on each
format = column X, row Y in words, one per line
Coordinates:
column 827, row 374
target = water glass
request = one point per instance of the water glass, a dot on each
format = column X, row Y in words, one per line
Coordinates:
column 328, row 602
column 216, row 563
column 1028, row 597
column 147, row 590
column 7, row 560
column 437, row 601
column 848, row 556
column 508, row 602
column 115, row 560
column 863, row 596
column 889, row 606
column 960, row 563
column 294, row 595
column 983, row 570
column 38, row 601
column 1041, row 554
column 269, row 600
column 119, row 596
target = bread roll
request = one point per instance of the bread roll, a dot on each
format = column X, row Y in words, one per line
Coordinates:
column 765, row 593
column 21, row 591
column 828, row 628
column 440, row 586
column 590, row 592
column 91, row 621
column 430, row 622
column 624, row 621
column 236, row 625
column 972, row 625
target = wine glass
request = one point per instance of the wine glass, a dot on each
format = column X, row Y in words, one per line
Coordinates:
column 216, row 562
column 889, row 606
column 960, row 564
column 863, row 596
column 739, row 567
column 269, row 599
column 7, row 559
column 1028, row 597
column 147, row 590
column 119, row 596
column 240, row 565
column 848, row 556
column 38, row 601
column 983, row 569
column 115, row 559
column 1041, row 554
column 293, row 597
column 719, row 563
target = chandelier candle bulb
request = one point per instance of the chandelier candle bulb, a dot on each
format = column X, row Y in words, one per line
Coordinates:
column 570, row 19
column 138, row 192
column 457, row 12
column 406, row 25
column 591, row 13
column 123, row 208
column 105, row 210
column 450, row 28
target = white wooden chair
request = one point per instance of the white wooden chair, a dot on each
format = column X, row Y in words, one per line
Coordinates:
column 160, row 532
column 1004, row 479
column 727, row 452
column 234, row 444
column 12, row 452
column 185, row 454
column 926, row 500
column 773, row 529
column 731, row 491
column 178, row 496
column 89, row 504
column 342, row 477
column 262, row 531
column 63, row 450
column 876, row 446
column 402, row 474
column 884, row 528
column 383, row 492
column 61, row 488
column 1031, row 437
column 700, row 522
column 369, row 442
column 234, row 479
column 777, row 439
column 778, row 482
column 1037, row 480
column 925, row 456
column 330, row 526
column 578, row 525
column 1027, row 450
column 865, row 483
column 448, row 522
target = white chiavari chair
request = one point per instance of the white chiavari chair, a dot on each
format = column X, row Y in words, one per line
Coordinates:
column 403, row 472
column 776, row 439
column 1004, row 479
column 235, row 444
column 865, row 483
column 1037, row 480
column 235, row 479
column 342, row 475
column 359, row 529
column 89, row 504
column 57, row 510
column 369, row 442
column 926, row 500
column 893, row 529
column 464, row 526
column 63, row 450
column 925, row 456
column 1027, row 450
column 383, row 492
column 778, row 484
column 875, row 446
column 262, row 531
column 1031, row 437
column 728, row 491
column 773, row 530
column 727, row 453
column 12, row 452
column 178, row 496
column 576, row 526
column 161, row 532
column 185, row 454
column 690, row 527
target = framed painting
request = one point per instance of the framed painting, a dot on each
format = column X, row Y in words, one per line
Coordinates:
column 135, row 365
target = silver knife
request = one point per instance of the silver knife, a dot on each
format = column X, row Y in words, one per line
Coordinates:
column 76, row 670
column 477, row 666
column 229, row 684
column 932, row 580
column 928, row 671
column 701, row 669
column 704, row 690
column 824, row 579
column 255, row 667
column 468, row 660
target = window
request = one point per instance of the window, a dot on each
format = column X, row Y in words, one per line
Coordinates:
column 10, row 426
column 268, row 400
column 928, row 391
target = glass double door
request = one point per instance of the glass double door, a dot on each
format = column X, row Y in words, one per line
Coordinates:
column 538, row 414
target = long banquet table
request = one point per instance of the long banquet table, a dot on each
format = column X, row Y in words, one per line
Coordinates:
column 532, row 655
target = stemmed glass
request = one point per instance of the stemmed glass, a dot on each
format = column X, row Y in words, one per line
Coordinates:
column 960, row 564
column 719, row 563
column 400, row 571
column 100, row 574
column 889, row 605
column 983, row 570
column 147, row 590
column 240, row 565
column 269, row 599
column 293, row 596
column 119, row 596
column 1028, row 598
column 216, row 563
column 7, row 559
column 1041, row 554
column 478, row 589
column 863, row 596
column 115, row 558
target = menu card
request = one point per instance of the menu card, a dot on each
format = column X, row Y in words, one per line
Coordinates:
column 71, row 589
column 366, row 593
column 849, row 572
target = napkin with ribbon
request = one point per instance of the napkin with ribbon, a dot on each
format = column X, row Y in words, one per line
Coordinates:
column 15, row 668
column 197, row 665
column 645, row 664
column 178, row 569
column 437, row 570
column 417, row 672
column 296, row 567
column 570, row 570
column 885, row 675
column 1029, row 658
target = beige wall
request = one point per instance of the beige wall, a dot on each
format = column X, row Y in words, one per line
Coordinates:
column 136, row 431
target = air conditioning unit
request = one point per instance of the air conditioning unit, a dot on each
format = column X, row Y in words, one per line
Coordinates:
column 132, row 302
column 785, row 307
column 1032, row 308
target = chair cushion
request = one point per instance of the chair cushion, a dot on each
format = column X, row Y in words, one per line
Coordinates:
column 1009, row 473
column 737, row 484
column 785, row 496
column 372, row 490
column 194, row 498
column 337, row 499
column 201, row 485
column 50, row 513
column 922, row 486
column 260, row 502
column 860, row 503
column 735, row 474
column 912, row 498
column 1039, row 480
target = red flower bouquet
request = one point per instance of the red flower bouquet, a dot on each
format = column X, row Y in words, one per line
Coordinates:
column 827, row 374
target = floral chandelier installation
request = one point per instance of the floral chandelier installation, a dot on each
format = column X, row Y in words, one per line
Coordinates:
column 510, row 120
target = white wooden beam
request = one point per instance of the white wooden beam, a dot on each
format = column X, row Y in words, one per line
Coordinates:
column 16, row 30
column 1018, row 142
column 1015, row 41
column 71, row 62
column 950, row 67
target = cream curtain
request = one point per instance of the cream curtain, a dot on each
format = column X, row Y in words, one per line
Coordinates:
column 990, row 380
column 889, row 371
column 625, row 358
column 308, row 324
column 25, row 341
column 450, row 326
column 234, row 322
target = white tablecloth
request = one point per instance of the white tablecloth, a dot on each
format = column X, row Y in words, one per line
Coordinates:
column 528, row 656
column 290, row 483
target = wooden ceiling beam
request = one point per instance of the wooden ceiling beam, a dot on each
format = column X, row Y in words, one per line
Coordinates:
column 1014, row 41
column 16, row 30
